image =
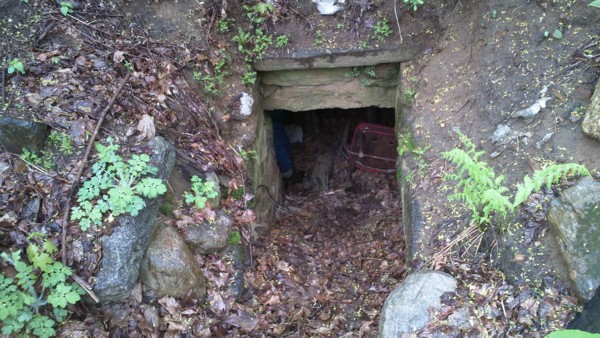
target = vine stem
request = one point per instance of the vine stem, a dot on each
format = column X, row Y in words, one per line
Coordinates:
column 82, row 166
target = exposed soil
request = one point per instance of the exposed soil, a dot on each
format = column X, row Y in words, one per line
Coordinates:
column 332, row 256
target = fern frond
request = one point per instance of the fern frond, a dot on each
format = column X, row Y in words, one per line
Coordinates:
column 548, row 176
column 494, row 201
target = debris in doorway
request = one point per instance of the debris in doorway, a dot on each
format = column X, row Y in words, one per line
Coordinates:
column 373, row 148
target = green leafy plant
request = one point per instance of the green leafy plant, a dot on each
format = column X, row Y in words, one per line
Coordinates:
column 66, row 8
column 116, row 187
column 201, row 192
column 258, row 13
column 281, row 41
column 211, row 83
column 129, row 66
column 223, row 26
column 56, row 142
column 235, row 238
column 354, row 72
column 409, row 96
column 247, row 154
column 381, row 30
column 483, row 191
column 595, row 3
column 414, row 3
column 61, row 141
column 319, row 38
column 249, row 78
column 572, row 334
column 16, row 65
column 46, row 159
column 557, row 34
column 369, row 71
column 242, row 39
column 37, row 297
column 31, row 157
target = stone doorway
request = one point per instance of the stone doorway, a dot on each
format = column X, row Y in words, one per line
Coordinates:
column 321, row 142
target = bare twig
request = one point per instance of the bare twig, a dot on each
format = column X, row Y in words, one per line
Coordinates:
column 82, row 166
column 3, row 86
column 87, row 287
column 397, row 20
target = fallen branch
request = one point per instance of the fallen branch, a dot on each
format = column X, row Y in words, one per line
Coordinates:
column 82, row 166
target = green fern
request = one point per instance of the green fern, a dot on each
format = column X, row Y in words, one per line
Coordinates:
column 483, row 192
column 549, row 176
column 478, row 186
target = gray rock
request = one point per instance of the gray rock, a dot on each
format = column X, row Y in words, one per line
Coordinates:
column 240, row 257
column 169, row 268
column 208, row 237
column 589, row 319
column 18, row 134
column 575, row 221
column 591, row 120
column 502, row 135
column 124, row 249
column 407, row 307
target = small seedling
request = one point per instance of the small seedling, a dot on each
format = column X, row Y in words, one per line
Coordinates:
column 595, row 3
column 128, row 66
column 381, row 30
column 494, row 14
column 61, row 141
column 557, row 34
column 223, row 26
column 281, row 41
column 235, row 238
column 249, row 78
column 201, row 192
column 319, row 39
column 55, row 60
column 414, row 3
column 370, row 71
column 66, row 8
column 16, row 65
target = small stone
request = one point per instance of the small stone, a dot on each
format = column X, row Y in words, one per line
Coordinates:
column 169, row 267
column 209, row 237
column 591, row 120
column 407, row 308
column 519, row 258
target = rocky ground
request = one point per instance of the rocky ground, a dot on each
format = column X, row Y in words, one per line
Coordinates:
column 327, row 264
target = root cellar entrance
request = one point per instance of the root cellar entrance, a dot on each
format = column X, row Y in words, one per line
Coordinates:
column 335, row 249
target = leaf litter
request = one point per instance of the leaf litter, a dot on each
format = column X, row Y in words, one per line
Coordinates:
column 324, row 269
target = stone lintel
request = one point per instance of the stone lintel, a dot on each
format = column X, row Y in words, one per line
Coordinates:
column 334, row 58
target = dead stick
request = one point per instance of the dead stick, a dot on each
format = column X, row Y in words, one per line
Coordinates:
column 82, row 166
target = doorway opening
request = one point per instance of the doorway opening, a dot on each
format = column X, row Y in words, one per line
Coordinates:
column 326, row 146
